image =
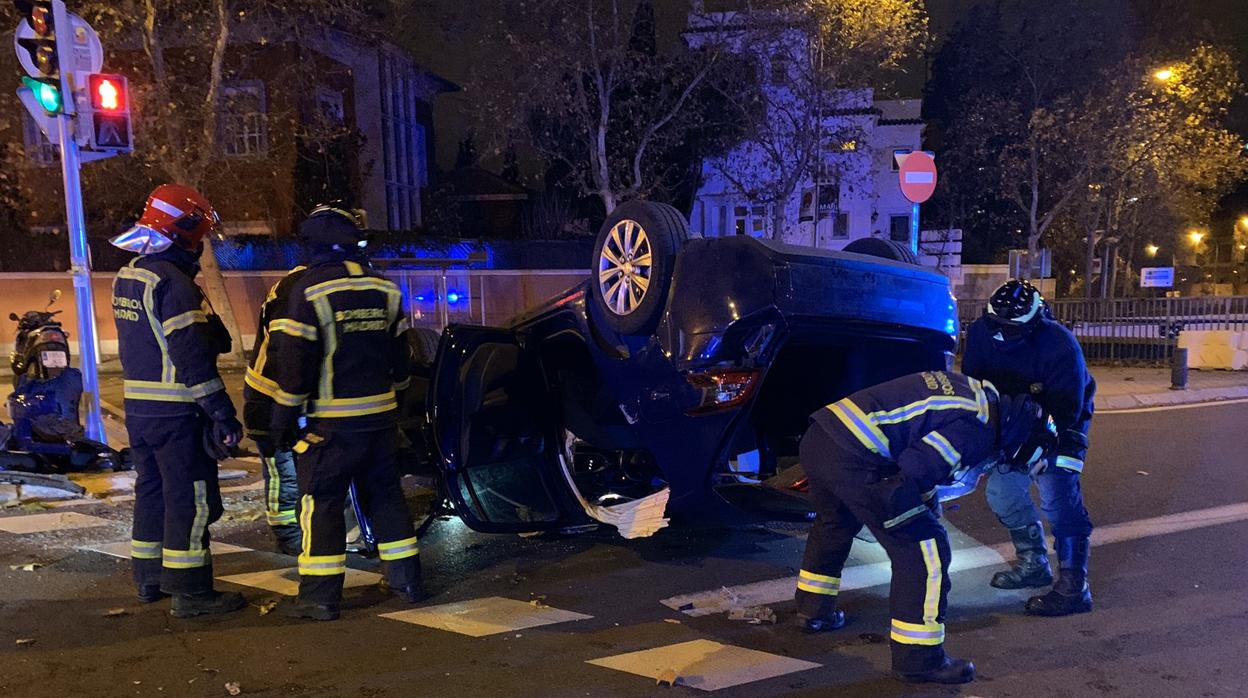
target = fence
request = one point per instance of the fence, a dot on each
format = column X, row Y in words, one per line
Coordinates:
column 478, row 296
column 1135, row 330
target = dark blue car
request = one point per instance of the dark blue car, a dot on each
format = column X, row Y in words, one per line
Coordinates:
column 675, row 382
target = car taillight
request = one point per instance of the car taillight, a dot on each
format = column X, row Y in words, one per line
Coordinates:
column 723, row 389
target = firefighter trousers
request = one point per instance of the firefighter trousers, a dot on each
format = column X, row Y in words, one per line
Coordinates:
column 846, row 496
column 176, row 498
column 326, row 462
column 281, row 491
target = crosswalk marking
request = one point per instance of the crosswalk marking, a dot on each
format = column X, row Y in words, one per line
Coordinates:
column 487, row 616
column 42, row 523
column 704, row 664
column 286, row 581
column 122, row 549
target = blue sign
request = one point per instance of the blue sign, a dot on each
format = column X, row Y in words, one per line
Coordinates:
column 1157, row 277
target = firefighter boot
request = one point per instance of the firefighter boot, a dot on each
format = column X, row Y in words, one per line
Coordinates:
column 1032, row 567
column 952, row 671
column 833, row 621
column 295, row 607
column 1071, row 593
column 206, row 603
column 151, row 593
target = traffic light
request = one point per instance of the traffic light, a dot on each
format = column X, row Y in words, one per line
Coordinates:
column 42, row 45
column 110, row 112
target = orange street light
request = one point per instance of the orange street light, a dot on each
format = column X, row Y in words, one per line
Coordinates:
column 1195, row 236
column 1164, row 74
column 1152, row 250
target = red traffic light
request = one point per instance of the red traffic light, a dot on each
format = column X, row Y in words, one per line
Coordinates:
column 108, row 93
column 41, row 20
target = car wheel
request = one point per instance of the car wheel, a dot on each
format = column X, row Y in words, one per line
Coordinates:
column 879, row 247
column 422, row 344
column 634, row 260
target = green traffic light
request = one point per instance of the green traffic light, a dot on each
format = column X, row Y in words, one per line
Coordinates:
column 48, row 96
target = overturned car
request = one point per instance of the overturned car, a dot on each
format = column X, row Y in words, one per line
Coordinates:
column 675, row 382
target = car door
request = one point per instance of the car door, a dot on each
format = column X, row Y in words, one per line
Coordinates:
column 497, row 438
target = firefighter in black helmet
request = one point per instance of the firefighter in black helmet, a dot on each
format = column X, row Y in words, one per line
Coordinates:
column 1022, row 351
column 337, row 354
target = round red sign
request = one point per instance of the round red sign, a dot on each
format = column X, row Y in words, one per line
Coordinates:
column 917, row 175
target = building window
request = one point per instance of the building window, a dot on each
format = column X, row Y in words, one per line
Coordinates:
column 840, row 229
column 403, row 142
column 899, row 228
column 750, row 220
column 244, row 126
column 330, row 106
column 39, row 150
column 779, row 70
column 893, row 161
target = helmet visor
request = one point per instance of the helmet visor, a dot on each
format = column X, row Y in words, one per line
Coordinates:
column 142, row 240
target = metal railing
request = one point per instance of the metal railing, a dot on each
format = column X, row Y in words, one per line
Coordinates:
column 1135, row 330
column 438, row 297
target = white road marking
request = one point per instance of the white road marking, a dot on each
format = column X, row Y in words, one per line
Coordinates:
column 703, row 664
column 862, row 576
column 42, row 523
column 286, row 581
column 1166, row 408
column 487, row 616
column 122, row 549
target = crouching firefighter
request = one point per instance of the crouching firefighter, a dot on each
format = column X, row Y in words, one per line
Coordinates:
column 1024, row 352
column 280, row 486
column 178, row 415
column 879, row 457
column 337, row 352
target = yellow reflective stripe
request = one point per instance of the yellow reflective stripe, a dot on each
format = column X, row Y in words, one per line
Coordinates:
column 322, row 565
column 812, row 583
column 981, row 397
column 1069, row 463
column 206, row 388
column 201, row 515
column 145, row 549
column 293, row 328
column 271, row 500
column 184, row 559
column 354, row 406
column 921, row 407
column 300, row 447
column 917, row 634
column 281, row 518
column 931, row 596
column 272, row 390
column 353, row 268
column 858, row 425
column 398, row 549
column 157, row 391
column 942, row 446
column 182, row 321
column 325, row 315
column 350, row 284
column 403, row 384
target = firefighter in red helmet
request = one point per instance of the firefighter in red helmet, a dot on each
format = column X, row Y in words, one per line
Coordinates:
column 178, row 415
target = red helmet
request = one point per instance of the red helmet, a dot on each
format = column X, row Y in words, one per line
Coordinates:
column 173, row 214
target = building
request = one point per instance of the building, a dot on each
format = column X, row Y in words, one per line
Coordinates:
column 353, row 118
column 842, row 143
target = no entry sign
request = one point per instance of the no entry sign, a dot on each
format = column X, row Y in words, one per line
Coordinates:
column 917, row 173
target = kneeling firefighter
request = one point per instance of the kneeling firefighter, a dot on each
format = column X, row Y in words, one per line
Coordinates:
column 178, row 415
column 337, row 349
column 879, row 457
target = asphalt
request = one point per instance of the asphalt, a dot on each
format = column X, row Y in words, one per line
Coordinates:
column 1170, row 614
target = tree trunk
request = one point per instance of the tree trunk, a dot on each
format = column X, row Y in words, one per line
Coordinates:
column 1090, row 257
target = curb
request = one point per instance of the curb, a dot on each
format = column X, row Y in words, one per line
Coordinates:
column 1112, row 403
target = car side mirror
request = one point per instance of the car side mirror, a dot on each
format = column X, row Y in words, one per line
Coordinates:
column 54, row 297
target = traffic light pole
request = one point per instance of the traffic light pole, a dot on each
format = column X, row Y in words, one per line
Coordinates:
column 80, row 265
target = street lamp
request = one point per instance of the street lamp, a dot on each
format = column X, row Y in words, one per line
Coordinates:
column 1164, row 74
column 1195, row 236
column 1152, row 250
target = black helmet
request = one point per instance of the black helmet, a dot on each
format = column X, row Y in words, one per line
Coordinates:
column 1028, row 434
column 335, row 226
column 1016, row 304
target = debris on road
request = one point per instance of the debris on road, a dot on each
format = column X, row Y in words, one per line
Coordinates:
column 232, row 688
column 754, row 615
column 27, row 567
column 1141, row 472
column 25, row 641
column 667, row 677
column 672, row 620
column 114, row 612
column 267, row 607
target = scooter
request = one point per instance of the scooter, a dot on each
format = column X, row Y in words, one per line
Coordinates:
column 46, row 435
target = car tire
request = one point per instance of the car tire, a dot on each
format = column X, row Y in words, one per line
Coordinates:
column 422, row 343
column 887, row 249
column 629, row 292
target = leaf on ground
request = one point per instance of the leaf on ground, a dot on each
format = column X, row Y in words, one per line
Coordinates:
column 537, row 603
column 25, row 641
column 232, row 688
column 267, row 607
column 1141, row 472
column 114, row 612
column 672, row 620
column 27, row 567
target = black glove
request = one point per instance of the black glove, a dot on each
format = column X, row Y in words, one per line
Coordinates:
column 222, row 435
column 218, row 335
column 284, row 427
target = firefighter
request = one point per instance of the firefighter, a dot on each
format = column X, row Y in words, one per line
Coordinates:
column 178, row 415
column 878, row 458
column 280, row 486
column 1022, row 351
column 337, row 352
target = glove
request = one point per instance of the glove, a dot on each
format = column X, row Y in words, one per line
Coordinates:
column 284, row 427
column 219, row 336
column 901, row 501
column 222, row 435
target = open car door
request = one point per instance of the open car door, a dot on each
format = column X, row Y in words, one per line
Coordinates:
column 496, row 435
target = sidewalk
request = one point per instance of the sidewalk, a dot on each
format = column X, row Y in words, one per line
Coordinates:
column 1122, row 388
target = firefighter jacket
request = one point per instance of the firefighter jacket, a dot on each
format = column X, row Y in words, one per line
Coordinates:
column 927, row 428
column 336, row 349
column 169, row 338
column 257, row 403
column 1047, row 364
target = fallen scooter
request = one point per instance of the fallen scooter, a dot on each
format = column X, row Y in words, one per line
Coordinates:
column 46, row 434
